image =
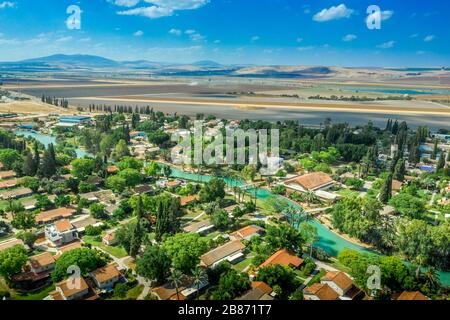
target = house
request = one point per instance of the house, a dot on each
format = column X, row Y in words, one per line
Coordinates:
column 231, row 251
column 8, row 184
column 53, row 215
column 173, row 184
column 396, row 185
column 310, row 182
column 320, row 291
column 68, row 247
column 247, row 233
column 29, row 204
column 260, row 291
column 112, row 169
column 61, row 232
column 109, row 239
column 143, row 189
column 184, row 201
column 105, row 277
column 338, row 281
column 4, row 245
column 5, row 175
column 201, row 227
column 412, row 295
column 16, row 194
column 43, row 262
column 66, row 290
column 284, row 258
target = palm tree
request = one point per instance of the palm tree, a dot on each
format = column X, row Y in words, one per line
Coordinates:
column 420, row 260
column 176, row 279
column 199, row 276
column 431, row 279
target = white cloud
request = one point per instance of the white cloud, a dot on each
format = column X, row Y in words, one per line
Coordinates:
column 125, row 3
column 7, row 4
column 85, row 40
column 159, row 8
column 217, row 41
column 386, row 45
column 255, row 38
column 420, row 52
column 349, row 37
column 386, row 15
column 429, row 38
column 190, row 31
column 415, row 35
column 64, row 39
column 175, row 32
column 333, row 13
column 299, row 40
column 138, row 33
column 301, row 49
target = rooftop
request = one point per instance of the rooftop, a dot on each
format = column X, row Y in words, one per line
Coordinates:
column 311, row 181
column 322, row 291
column 412, row 295
column 246, row 231
column 222, row 252
column 63, row 225
column 339, row 278
column 284, row 258
column 106, row 273
column 42, row 260
column 50, row 215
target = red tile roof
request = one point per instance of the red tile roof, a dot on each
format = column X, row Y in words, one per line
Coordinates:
column 284, row 258
column 322, row 291
column 311, row 181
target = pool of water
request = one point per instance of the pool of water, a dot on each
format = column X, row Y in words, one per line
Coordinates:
column 47, row 140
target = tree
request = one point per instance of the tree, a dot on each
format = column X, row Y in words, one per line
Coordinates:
column 29, row 238
column 176, row 279
column 29, row 166
column 284, row 236
column 354, row 183
column 121, row 150
column 9, row 157
column 48, row 165
column 408, row 205
column 97, row 210
column 167, row 210
column 212, row 190
column 399, row 171
column 82, row 168
column 153, row 169
column 138, row 232
column 199, row 277
column 386, row 190
column 185, row 250
column 435, row 150
column 130, row 163
column 309, row 234
column 86, row 259
column 30, row 182
column 155, row 264
column 249, row 172
column 279, row 276
column 232, row 284
column 441, row 163
column 220, row 219
column 132, row 177
column 116, row 183
column 23, row 220
column 12, row 261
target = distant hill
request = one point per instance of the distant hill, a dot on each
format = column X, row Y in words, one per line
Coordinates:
column 207, row 64
column 76, row 60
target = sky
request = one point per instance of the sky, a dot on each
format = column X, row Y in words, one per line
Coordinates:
column 413, row 33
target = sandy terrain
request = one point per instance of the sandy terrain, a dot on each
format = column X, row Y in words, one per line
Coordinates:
column 393, row 108
column 31, row 107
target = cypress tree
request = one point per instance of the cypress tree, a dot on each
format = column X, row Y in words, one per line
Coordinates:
column 136, row 239
column 386, row 190
column 441, row 163
column 435, row 150
column 399, row 172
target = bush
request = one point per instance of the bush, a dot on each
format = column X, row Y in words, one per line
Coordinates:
column 93, row 231
column 308, row 268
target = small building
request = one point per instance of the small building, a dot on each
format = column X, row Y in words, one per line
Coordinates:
column 173, row 184
column 54, row 215
column 187, row 200
column 260, row 291
column 8, row 184
column 396, row 185
column 247, row 233
column 320, row 291
column 74, row 119
column 4, row 245
column 412, row 295
column 61, row 232
column 201, row 227
column 338, row 281
column 105, row 277
column 309, row 182
column 68, row 247
column 43, row 262
column 5, row 175
column 284, row 258
column 109, row 239
column 231, row 252
column 112, row 169
column 143, row 189
column 16, row 194
column 65, row 290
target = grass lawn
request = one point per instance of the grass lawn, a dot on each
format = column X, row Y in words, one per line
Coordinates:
column 347, row 192
column 134, row 293
column 212, row 235
column 316, row 278
column 117, row 252
column 243, row 264
column 39, row 295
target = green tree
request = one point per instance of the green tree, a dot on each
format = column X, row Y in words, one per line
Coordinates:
column 86, row 259
column 232, row 284
column 284, row 236
column 29, row 238
column 400, row 169
column 155, row 264
column 132, row 177
column 29, row 182
column 116, row 183
column 408, row 205
column 82, row 168
column 249, row 172
column 138, row 231
column 212, row 190
column 9, row 157
column 220, row 219
column 167, row 209
column 176, row 279
column 12, row 261
column 153, row 169
column 185, row 250
column 121, row 150
column 23, row 220
column 199, row 277
column 48, row 165
column 97, row 211
column 280, row 276
column 309, row 234
column 441, row 163
column 386, row 190
column 130, row 163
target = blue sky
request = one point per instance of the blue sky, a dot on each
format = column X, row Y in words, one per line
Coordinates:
column 303, row 32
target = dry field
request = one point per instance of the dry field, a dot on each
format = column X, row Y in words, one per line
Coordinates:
column 31, row 108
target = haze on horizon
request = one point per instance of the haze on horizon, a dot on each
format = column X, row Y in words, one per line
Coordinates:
column 282, row 32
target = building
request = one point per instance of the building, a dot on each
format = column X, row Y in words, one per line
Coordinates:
column 231, row 252
column 54, row 215
column 61, row 232
column 5, row 175
column 143, row 189
column 338, row 281
column 4, row 245
column 8, row 184
column 106, row 277
column 412, row 295
column 68, row 247
column 66, row 290
column 260, row 291
column 247, row 233
column 74, row 119
column 112, row 169
column 310, row 182
column 283, row 258
column 187, row 200
column 43, row 262
column 320, row 291
column 109, row 239
column 16, row 194
column 201, row 227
